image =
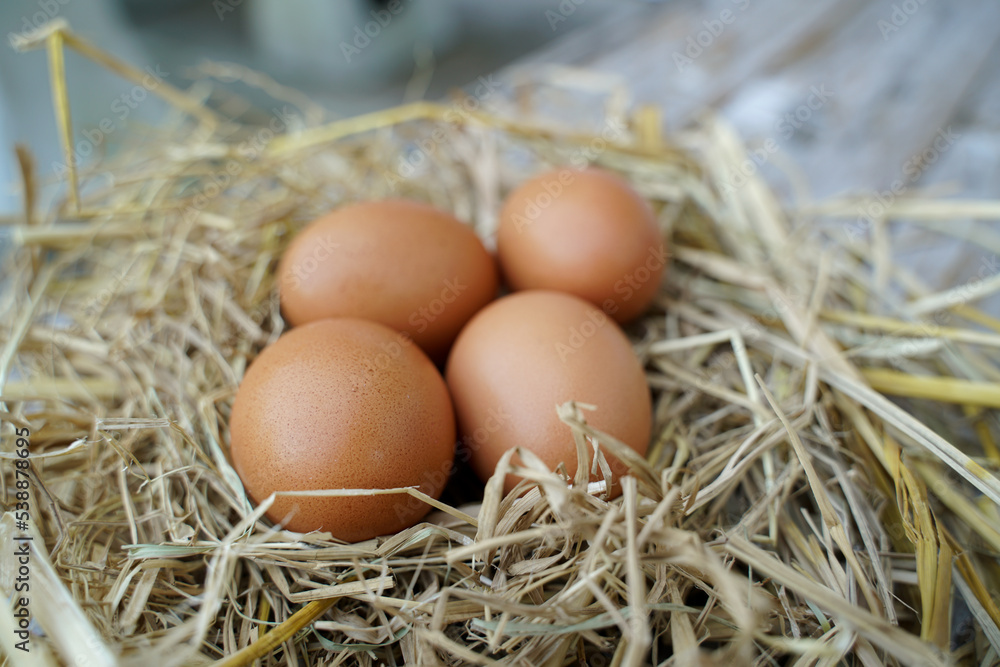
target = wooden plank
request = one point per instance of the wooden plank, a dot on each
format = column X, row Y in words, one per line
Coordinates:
column 970, row 169
column 893, row 90
column 893, row 95
column 687, row 56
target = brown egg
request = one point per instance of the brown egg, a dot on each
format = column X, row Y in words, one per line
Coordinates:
column 584, row 232
column 343, row 404
column 405, row 264
column 526, row 353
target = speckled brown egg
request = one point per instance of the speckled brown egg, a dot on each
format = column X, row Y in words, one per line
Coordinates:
column 343, row 404
column 403, row 263
column 529, row 352
column 585, row 232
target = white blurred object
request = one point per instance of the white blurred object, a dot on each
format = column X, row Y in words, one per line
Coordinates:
column 356, row 41
column 351, row 56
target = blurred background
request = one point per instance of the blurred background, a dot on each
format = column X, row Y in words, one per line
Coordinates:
column 350, row 56
column 890, row 99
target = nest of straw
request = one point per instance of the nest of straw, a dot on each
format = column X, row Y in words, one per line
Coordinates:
column 787, row 512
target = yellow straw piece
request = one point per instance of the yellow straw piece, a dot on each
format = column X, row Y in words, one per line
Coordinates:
column 277, row 635
column 945, row 389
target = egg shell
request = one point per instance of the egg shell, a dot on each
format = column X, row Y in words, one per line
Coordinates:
column 525, row 354
column 343, row 404
column 584, row 232
column 403, row 263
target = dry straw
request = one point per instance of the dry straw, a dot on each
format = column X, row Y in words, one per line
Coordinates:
column 787, row 513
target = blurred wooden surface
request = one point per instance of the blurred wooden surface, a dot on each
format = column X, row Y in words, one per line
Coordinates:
column 894, row 76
